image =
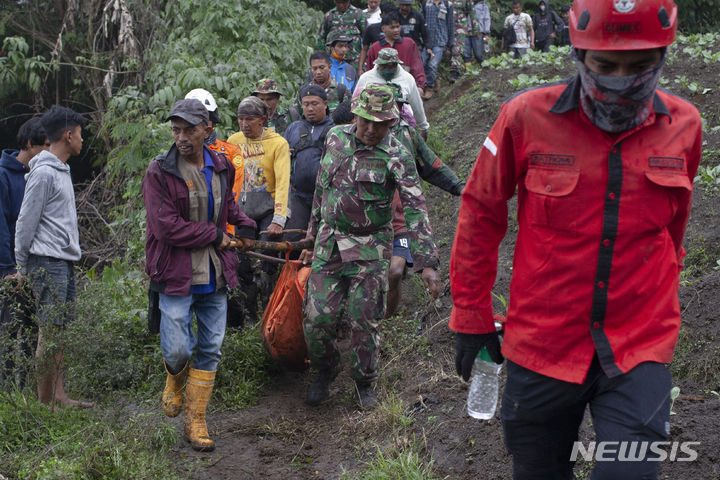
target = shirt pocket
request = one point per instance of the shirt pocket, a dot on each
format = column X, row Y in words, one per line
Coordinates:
column 551, row 200
column 661, row 200
column 371, row 185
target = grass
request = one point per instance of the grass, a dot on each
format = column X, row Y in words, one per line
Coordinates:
column 406, row 465
column 37, row 444
column 109, row 355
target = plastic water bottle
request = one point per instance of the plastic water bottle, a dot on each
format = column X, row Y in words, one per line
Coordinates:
column 483, row 395
column 487, row 46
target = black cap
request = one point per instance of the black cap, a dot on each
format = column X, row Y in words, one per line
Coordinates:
column 191, row 110
column 314, row 90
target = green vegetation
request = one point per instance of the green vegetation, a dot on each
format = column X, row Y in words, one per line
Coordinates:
column 38, row 444
column 407, row 465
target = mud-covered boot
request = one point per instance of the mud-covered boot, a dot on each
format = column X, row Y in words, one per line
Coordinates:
column 366, row 394
column 172, row 398
column 197, row 395
column 319, row 389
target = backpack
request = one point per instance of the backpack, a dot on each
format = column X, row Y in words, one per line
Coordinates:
column 306, row 140
column 509, row 36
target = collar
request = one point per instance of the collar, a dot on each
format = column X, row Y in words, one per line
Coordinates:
column 169, row 163
column 570, row 100
column 383, row 41
column 384, row 144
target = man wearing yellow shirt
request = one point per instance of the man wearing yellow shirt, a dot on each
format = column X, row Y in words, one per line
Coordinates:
column 262, row 190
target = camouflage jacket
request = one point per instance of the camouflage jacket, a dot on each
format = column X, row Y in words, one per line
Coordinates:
column 336, row 93
column 429, row 166
column 352, row 207
column 466, row 21
column 282, row 119
column 351, row 23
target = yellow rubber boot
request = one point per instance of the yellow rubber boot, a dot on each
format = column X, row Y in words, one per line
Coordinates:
column 197, row 395
column 172, row 398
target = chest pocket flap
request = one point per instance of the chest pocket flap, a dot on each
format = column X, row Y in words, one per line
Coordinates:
column 371, row 183
column 669, row 179
column 551, row 182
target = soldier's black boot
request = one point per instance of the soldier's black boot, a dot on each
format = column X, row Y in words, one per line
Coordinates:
column 319, row 389
column 366, row 394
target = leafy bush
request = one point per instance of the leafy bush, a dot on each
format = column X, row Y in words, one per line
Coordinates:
column 109, row 348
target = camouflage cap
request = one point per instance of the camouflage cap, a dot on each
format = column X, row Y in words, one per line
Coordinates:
column 375, row 103
column 337, row 36
column 266, row 85
column 387, row 56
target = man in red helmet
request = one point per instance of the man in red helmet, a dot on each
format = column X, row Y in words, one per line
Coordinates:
column 603, row 165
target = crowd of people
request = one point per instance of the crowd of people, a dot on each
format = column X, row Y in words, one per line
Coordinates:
column 603, row 200
column 455, row 29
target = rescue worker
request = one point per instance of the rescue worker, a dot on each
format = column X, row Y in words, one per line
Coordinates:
column 603, row 164
column 432, row 170
column 347, row 19
column 350, row 222
column 440, row 24
column 306, row 139
column 388, row 70
column 262, row 192
column 188, row 198
column 279, row 118
column 412, row 23
column 341, row 71
column 406, row 48
column 235, row 310
column 320, row 66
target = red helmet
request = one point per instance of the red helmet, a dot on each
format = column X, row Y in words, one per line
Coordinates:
column 622, row 24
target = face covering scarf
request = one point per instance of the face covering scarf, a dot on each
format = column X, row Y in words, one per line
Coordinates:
column 387, row 75
column 617, row 104
column 337, row 57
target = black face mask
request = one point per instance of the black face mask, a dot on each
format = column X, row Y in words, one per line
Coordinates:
column 387, row 75
column 617, row 104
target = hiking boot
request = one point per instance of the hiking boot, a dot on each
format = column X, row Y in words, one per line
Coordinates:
column 454, row 76
column 367, row 398
column 428, row 93
column 319, row 389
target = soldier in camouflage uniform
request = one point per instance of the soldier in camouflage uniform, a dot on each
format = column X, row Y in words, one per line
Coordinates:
column 278, row 118
column 432, row 170
column 466, row 24
column 348, row 19
column 362, row 167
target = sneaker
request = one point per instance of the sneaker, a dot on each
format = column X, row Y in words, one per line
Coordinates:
column 428, row 93
column 319, row 389
column 367, row 398
column 454, row 76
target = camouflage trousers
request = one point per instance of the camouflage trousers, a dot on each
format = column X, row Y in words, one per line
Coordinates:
column 358, row 288
column 457, row 64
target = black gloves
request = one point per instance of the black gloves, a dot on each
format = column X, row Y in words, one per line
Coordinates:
column 467, row 346
column 458, row 189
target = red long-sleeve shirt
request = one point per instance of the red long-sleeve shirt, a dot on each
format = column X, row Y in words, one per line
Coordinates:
column 601, row 221
column 407, row 52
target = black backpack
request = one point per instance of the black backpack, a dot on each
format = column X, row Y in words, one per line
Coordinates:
column 509, row 36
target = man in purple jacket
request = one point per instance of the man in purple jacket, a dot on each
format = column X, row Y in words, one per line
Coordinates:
column 189, row 201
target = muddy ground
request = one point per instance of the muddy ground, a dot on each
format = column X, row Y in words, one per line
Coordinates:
column 424, row 401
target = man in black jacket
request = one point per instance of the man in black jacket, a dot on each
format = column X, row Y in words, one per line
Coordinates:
column 546, row 24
